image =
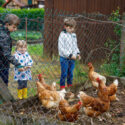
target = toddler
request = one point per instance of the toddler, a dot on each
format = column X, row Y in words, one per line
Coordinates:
column 22, row 74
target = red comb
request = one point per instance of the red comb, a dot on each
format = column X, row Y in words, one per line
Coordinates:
column 89, row 63
column 80, row 102
column 97, row 79
column 39, row 75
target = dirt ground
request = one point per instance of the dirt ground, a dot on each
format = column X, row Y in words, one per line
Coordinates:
column 27, row 110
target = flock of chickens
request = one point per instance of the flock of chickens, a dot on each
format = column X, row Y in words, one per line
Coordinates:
column 93, row 107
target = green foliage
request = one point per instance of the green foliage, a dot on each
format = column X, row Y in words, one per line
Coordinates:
column 112, row 68
column 31, row 92
column 1, row 2
column 35, row 17
column 115, row 16
column 21, row 35
column 79, row 73
column 36, row 50
column 111, row 44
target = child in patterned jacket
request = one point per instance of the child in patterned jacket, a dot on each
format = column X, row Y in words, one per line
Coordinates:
column 23, row 74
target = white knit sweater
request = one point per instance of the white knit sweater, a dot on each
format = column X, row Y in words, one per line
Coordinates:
column 67, row 44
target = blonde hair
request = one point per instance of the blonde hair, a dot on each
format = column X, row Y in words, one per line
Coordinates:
column 69, row 21
column 12, row 19
column 21, row 44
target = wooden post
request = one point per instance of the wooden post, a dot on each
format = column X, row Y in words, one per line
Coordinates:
column 5, row 4
column 4, row 92
column 122, row 46
column 48, row 31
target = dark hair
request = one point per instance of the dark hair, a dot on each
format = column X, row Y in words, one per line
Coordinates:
column 12, row 19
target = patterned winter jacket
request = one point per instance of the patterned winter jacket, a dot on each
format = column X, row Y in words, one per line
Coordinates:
column 5, row 48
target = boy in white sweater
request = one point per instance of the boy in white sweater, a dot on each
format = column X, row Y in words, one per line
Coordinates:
column 68, row 51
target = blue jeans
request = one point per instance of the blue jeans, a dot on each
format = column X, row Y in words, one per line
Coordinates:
column 22, row 84
column 67, row 67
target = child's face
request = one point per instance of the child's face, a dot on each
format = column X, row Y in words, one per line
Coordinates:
column 12, row 27
column 69, row 29
column 22, row 50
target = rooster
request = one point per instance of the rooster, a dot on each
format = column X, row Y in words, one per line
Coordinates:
column 49, row 99
column 94, row 75
column 46, row 86
column 67, row 112
column 111, row 89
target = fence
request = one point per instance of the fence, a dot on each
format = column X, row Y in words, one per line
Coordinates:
column 96, row 6
column 93, row 32
column 98, row 42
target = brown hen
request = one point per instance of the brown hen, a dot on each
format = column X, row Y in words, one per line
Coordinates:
column 67, row 112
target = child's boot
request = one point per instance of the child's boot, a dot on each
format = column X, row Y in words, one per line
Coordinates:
column 20, row 93
column 24, row 93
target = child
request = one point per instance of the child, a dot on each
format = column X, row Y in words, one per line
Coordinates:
column 8, row 25
column 68, row 51
column 23, row 74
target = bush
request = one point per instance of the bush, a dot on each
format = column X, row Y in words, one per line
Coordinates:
column 32, row 15
column 1, row 2
column 21, row 35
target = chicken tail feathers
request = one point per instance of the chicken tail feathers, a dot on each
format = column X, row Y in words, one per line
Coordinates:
column 54, row 83
column 116, row 82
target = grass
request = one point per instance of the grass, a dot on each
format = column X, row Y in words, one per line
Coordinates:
column 34, row 50
column 21, row 35
column 51, row 72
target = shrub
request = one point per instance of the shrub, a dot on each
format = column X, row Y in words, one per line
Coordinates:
column 1, row 2
column 32, row 16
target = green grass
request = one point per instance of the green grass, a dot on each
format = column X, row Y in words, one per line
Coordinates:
column 21, row 35
column 51, row 71
column 34, row 50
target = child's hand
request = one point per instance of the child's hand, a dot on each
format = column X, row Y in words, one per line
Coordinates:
column 73, row 57
column 27, row 67
column 21, row 69
column 79, row 57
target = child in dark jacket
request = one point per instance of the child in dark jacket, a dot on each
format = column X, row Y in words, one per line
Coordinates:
column 8, row 25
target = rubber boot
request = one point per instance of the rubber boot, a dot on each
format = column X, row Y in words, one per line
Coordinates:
column 20, row 93
column 24, row 93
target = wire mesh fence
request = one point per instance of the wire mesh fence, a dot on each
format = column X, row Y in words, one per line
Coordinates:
column 98, row 40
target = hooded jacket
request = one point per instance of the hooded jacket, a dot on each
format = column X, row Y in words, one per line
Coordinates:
column 5, row 48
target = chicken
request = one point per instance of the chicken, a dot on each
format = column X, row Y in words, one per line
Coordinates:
column 94, row 75
column 96, row 104
column 49, row 87
column 67, row 112
column 48, row 98
column 111, row 89
column 93, row 107
column 91, row 112
column 70, row 96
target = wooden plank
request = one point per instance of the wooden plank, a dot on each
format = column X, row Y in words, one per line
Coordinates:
column 4, row 92
column 89, row 6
